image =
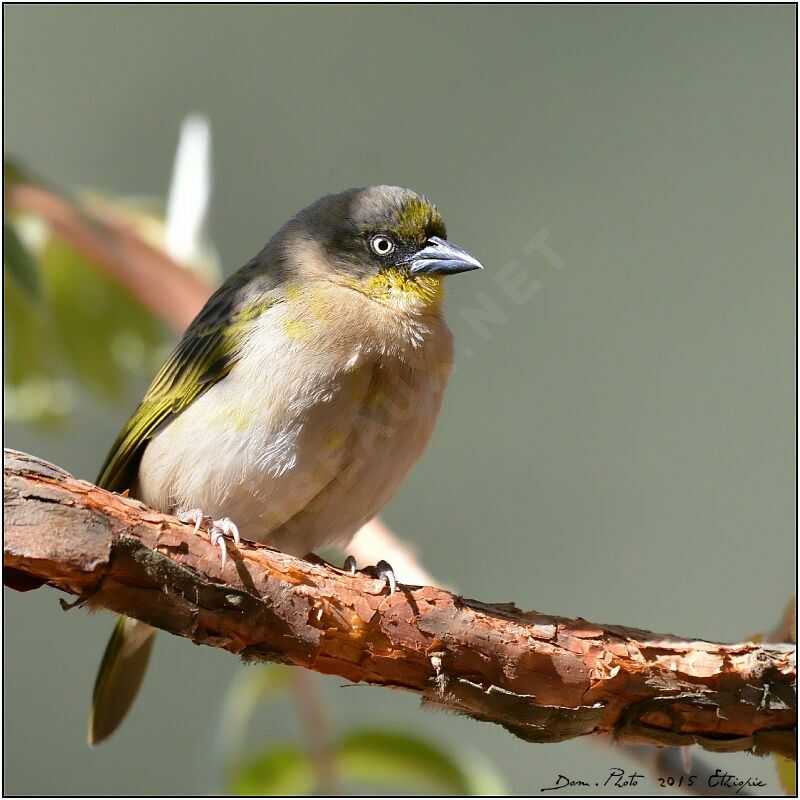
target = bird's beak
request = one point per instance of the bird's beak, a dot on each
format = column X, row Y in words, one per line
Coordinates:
column 439, row 257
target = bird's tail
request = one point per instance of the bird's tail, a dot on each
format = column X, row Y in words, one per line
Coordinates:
column 120, row 676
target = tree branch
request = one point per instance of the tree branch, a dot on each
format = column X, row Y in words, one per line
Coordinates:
column 543, row 678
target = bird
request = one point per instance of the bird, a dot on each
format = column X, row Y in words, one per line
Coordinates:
column 298, row 400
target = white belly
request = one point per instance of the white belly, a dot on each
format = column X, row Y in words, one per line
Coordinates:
column 300, row 446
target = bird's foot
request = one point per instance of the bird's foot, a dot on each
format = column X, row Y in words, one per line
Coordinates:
column 217, row 531
column 382, row 570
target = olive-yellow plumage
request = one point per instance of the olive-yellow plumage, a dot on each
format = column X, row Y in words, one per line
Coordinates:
column 300, row 397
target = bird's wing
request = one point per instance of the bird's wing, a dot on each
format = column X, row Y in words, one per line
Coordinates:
column 206, row 354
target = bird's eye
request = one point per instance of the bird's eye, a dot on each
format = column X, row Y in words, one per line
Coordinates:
column 381, row 244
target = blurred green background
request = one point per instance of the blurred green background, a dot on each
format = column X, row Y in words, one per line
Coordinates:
column 620, row 447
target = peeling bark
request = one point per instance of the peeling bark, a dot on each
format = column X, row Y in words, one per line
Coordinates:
column 543, row 678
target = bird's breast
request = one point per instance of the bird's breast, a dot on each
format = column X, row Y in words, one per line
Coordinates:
column 311, row 432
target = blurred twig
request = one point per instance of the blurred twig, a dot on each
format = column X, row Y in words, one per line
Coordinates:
column 173, row 293
column 316, row 731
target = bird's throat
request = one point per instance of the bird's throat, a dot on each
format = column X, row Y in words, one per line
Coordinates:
column 401, row 288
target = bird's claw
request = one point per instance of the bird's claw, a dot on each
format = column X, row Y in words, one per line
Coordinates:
column 386, row 574
column 350, row 565
column 383, row 571
column 218, row 539
column 226, row 525
column 219, row 527
column 193, row 515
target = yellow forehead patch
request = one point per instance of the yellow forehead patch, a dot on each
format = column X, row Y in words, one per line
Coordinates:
column 417, row 219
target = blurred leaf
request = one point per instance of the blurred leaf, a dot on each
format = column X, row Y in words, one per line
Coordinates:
column 249, row 689
column 103, row 328
column 19, row 263
column 282, row 771
column 35, row 389
column 484, row 779
column 400, row 759
column 375, row 758
column 81, row 323
column 87, row 326
column 14, row 173
column 787, row 775
column 30, row 345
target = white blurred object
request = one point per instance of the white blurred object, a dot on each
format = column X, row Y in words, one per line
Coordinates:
column 190, row 191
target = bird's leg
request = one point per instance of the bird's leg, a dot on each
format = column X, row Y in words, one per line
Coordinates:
column 382, row 570
column 217, row 531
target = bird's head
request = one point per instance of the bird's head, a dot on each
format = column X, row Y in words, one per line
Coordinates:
column 386, row 242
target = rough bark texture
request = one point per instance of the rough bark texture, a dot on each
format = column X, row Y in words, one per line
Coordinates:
column 543, row 678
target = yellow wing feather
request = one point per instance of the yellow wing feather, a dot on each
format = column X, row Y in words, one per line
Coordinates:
column 206, row 354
